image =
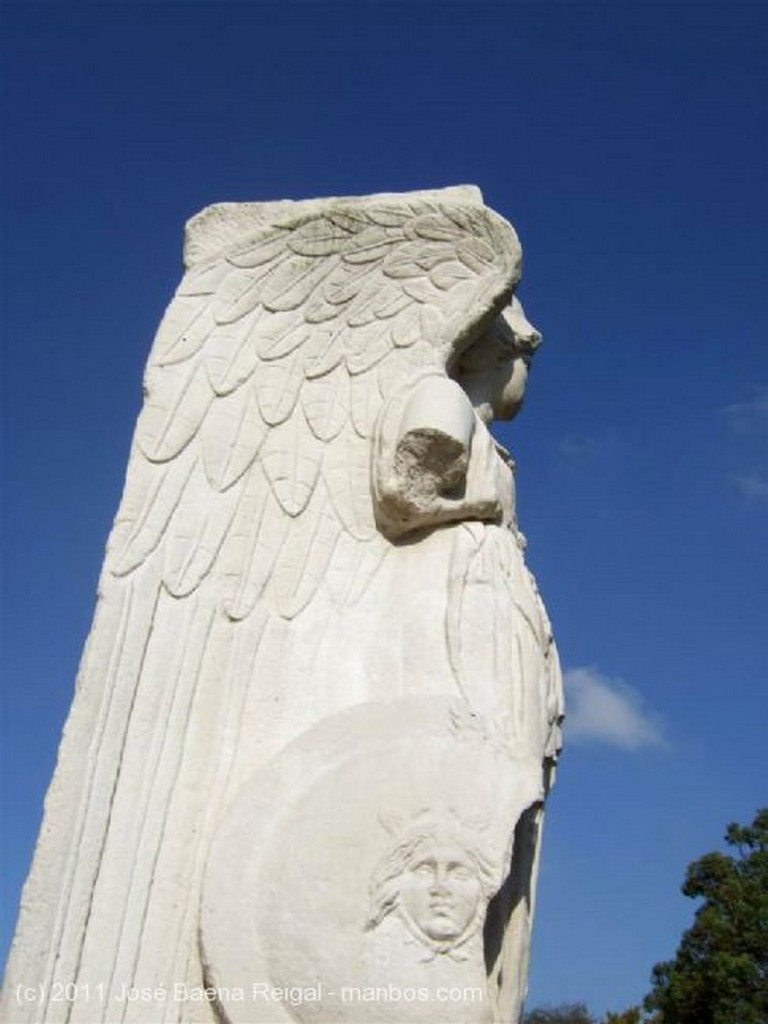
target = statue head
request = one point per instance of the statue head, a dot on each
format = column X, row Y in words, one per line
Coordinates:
column 436, row 880
column 494, row 369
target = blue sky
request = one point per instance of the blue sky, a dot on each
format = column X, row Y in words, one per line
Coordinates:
column 627, row 143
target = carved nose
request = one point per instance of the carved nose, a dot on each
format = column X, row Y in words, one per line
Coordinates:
column 529, row 339
column 439, row 882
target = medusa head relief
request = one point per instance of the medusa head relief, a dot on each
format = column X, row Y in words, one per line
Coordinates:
column 437, row 879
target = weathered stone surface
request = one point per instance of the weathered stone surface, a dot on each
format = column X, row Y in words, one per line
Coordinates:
column 316, row 716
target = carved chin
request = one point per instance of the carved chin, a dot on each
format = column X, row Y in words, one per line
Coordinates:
column 442, row 928
column 509, row 403
column 510, row 396
column 442, row 935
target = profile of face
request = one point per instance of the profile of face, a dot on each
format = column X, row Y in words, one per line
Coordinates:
column 440, row 891
column 494, row 370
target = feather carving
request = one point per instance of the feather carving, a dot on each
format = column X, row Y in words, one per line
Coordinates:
column 231, row 437
column 183, row 330
column 231, row 355
column 326, row 403
column 252, row 461
column 173, row 411
column 308, row 551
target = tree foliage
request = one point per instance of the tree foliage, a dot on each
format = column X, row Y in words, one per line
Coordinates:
column 566, row 1013
column 720, row 972
column 577, row 1013
column 634, row 1015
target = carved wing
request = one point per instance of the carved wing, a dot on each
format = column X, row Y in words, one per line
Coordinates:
column 248, row 497
column 251, row 460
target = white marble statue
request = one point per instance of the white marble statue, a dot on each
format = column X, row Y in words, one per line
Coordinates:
column 316, row 716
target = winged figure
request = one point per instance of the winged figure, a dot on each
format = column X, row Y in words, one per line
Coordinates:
column 315, row 515
column 252, row 457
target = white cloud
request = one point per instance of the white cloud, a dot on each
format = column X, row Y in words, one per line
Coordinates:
column 748, row 421
column 607, row 711
column 752, row 485
column 752, row 413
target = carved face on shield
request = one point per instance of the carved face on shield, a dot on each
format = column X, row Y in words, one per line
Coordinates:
column 440, row 891
column 437, row 883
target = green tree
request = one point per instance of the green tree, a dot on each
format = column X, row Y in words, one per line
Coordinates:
column 566, row 1013
column 720, row 972
column 577, row 1013
column 634, row 1015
